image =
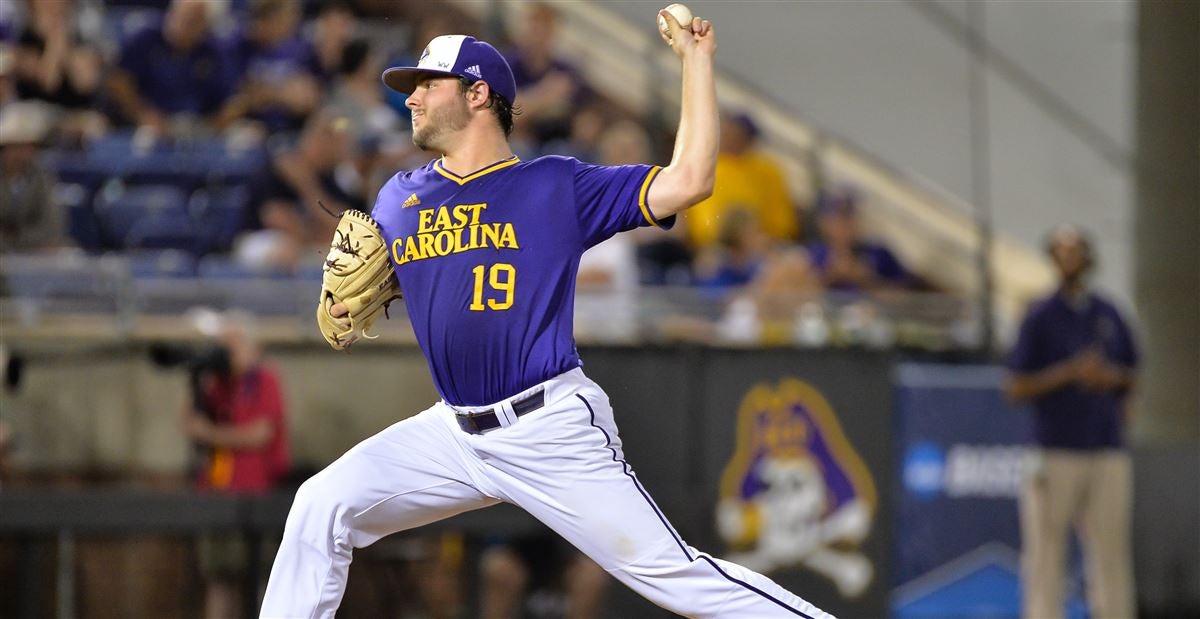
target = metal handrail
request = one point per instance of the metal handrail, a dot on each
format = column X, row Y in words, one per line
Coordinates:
column 70, row 297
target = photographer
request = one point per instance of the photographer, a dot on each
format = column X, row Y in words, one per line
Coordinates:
column 237, row 419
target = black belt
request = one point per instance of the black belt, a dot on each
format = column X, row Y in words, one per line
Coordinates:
column 478, row 423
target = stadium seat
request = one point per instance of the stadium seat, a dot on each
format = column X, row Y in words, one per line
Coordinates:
column 219, row 215
column 78, row 169
column 221, row 164
column 263, row 292
column 82, row 226
column 65, row 282
column 166, row 168
column 163, row 231
column 119, row 154
column 118, row 143
column 170, row 263
column 119, row 207
column 222, row 267
column 310, row 272
column 151, row 198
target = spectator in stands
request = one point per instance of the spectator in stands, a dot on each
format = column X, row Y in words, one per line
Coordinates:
column 746, row 179
column 358, row 94
column 384, row 144
column 174, row 73
column 55, row 65
column 30, row 219
column 588, row 125
column 844, row 260
column 662, row 257
column 278, row 70
column 760, row 278
column 240, row 424
column 1075, row 361
column 541, row 564
column 739, row 253
column 548, row 87
column 787, row 270
column 332, row 30
column 286, row 215
column 765, row 282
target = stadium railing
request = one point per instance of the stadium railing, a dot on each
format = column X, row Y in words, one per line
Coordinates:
column 144, row 295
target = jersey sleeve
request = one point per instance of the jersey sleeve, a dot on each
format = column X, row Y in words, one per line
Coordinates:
column 613, row 199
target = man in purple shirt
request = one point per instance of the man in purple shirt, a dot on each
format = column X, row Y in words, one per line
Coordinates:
column 277, row 69
column 486, row 248
column 550, row 88
column 175, row 67
column 1074, row 361
column 844, row 260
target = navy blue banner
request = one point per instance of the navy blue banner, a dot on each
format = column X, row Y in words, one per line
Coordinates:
column 961, row 448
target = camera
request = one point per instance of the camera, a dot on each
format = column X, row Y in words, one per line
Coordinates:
column 201, row 364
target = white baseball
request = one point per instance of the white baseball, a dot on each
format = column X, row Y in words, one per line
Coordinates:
column 681, row 13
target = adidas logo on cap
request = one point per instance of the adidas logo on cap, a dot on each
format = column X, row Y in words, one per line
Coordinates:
column 473, row 70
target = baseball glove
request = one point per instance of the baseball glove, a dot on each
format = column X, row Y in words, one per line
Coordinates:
column 358, row 273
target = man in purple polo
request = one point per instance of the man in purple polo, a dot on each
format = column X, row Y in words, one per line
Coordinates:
column 173, row 67
column 1075, row 361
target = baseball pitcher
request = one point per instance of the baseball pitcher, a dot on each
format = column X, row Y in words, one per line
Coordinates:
column 485, row 249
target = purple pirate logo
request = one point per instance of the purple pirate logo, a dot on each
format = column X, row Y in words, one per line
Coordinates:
column 795, row 491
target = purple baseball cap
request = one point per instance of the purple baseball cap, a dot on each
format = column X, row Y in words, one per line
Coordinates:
column 457, row 55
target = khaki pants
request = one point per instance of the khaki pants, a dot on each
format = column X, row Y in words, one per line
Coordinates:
column 1090, row 491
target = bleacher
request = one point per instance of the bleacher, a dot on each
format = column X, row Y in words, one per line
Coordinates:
column 125, row 193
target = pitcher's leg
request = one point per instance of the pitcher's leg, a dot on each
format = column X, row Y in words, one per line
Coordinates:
column 406, row 476
column 587, row 493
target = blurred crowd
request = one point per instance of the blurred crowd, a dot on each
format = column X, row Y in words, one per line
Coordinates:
column 229, row 129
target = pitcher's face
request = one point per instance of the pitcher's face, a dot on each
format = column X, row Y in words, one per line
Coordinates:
column 439, row 109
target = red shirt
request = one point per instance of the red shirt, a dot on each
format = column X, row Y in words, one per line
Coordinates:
column 240, row 401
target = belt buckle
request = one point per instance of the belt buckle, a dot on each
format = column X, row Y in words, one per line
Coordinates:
column 468, row 424
column 468, row 421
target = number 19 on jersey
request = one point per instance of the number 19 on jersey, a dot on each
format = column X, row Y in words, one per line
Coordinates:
column 502, row 279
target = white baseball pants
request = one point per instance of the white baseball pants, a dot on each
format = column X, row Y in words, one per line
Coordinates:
column 562, row 463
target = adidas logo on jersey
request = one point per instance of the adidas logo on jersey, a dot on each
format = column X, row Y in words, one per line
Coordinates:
column 412, row 200
column 474, row 70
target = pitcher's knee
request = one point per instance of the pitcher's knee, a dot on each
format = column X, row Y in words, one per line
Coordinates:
column 311, row 494
column 318, row 502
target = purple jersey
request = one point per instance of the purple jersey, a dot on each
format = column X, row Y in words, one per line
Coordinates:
column 1055, row 330
column 487, row 263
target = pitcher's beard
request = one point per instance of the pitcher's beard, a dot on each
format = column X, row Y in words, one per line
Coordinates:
column 438, row 124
